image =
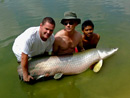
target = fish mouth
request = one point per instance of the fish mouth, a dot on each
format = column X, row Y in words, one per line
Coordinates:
column 104, row 53
column 115, row 49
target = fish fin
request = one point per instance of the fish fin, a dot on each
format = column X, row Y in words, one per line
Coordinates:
column 98, row 66
column 39, row 77
column 58, row 75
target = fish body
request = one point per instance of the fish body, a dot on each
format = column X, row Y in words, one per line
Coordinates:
column 67, row 64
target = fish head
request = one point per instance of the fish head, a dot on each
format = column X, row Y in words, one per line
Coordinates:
column 104, row 53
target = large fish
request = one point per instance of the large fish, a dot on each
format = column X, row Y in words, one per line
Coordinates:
column 68, row 64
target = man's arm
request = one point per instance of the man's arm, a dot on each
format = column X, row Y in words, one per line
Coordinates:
column 24, row 64
column 80, row 46
column 96, row 40
column 55, row 46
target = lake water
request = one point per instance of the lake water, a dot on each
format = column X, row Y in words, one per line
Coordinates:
column 112, row 22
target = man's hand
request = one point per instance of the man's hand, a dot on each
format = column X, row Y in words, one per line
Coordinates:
column 27, row 78
column 24, row 64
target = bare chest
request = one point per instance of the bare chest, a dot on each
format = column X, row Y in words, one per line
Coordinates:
column 68, row 43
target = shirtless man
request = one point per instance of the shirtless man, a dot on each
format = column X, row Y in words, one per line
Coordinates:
column 90, row 39
column 68, row 38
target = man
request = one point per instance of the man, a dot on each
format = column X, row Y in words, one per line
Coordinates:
column 68, row 38
column 34, row 41
column 90, row 39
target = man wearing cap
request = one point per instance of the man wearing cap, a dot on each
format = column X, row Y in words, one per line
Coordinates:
column 67, row 39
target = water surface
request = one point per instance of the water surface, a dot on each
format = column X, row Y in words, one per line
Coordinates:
column 111, row 19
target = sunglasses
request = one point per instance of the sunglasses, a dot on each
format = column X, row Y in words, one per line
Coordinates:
column 70, row 23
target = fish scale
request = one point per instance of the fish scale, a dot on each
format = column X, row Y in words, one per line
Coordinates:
column 67, row 64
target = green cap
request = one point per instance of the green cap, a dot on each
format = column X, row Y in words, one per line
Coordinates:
column 70, row 15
